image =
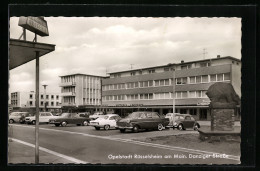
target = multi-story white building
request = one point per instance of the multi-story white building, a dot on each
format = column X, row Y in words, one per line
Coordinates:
column 152, row 88
column 22, row 100
column 81, row 91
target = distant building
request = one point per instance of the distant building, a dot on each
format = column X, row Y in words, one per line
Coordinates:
column 26, row 101
column 81, row 91
column 152, row 88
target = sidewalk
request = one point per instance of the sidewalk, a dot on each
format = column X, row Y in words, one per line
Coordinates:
column 22, row 154
column 207, row 123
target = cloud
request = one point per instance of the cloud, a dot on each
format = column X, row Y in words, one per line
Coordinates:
column 92, row 45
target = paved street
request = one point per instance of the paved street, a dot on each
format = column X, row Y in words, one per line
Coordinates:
column 84, row 144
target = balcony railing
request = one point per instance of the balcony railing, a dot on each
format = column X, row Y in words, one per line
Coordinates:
column 68, row 94
column 67, row 84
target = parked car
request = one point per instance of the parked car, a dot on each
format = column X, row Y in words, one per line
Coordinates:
column 18, row 117
column 96, row 115
column 107, row 121
column 142, row 120
column 184, row 121
column 43, row 118
column 69, row 118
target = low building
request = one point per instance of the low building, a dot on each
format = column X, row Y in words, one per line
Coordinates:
column 152, row 88
column 25, row 101
column 81, row 92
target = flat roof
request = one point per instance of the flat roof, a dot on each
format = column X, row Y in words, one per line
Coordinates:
column 21, row 51
column 172, row 64
column 83, row 75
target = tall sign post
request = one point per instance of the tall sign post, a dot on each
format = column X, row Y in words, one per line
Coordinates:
column 38, row 26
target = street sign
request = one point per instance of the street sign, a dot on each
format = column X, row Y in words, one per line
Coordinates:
column 36, row 25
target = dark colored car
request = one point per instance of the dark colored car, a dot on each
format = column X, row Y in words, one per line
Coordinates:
column 18, row 117
column 184, row 121
column 142, row 120
column 69, row 118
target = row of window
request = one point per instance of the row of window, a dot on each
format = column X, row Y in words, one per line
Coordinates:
column 47, row 97
column 42, row 103
column 154, row 96
column 167, row 82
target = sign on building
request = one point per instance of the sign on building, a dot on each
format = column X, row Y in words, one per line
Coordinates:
column 36, row 25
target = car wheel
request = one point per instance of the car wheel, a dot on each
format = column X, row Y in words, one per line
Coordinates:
column 11, row 121
column 85, row 123
column 160, row 127
column 122, row 130
column 33, row 122
column 180, row 127
column 106, row 127
column 196, row 127
column 64, row 123
column 97, row 128
column 136, row 128
column 57, row 125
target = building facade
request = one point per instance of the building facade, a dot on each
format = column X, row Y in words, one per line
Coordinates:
column 81, row 92
column 153, row 88
column 26, row 101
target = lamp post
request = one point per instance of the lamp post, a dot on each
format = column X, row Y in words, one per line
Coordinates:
column 44, row 96
column 173, row 91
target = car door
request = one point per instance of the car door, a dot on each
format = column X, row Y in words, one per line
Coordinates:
column 47, row 117
column 42, row 117
column 188, row 122
column 155, row 120
column 112, row 121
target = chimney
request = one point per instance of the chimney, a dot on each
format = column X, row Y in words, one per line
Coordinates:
column 182, row 61
column 218, row 56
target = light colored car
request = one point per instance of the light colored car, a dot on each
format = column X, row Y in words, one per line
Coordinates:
column 106, row 121
column 17, row 117
column 44, row 117
column 96, row 115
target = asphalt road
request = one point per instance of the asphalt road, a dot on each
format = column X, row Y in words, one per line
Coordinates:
column 107, row 147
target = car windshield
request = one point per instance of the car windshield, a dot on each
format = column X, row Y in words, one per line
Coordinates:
column 135, row 115
column 64, row 115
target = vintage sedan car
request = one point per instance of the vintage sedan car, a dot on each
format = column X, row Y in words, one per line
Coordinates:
column 184, row 121
column 96, row 115
column 43, row 118
column 142, row 120
column 18, row 117
column 107, row 121
column 69, row 118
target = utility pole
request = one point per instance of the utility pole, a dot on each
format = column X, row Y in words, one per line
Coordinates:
column 131, row 66
column 173, row 90
column 37, row 106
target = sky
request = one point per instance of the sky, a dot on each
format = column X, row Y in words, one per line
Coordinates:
column 99, row 45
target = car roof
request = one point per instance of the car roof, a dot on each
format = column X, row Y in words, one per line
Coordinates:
column 111, row 114
column 179, row 114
